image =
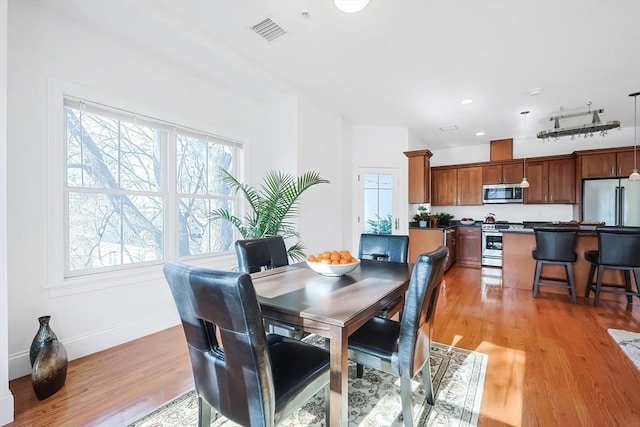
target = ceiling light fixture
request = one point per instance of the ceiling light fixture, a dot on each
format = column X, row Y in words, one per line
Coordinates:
column 350, row 6
column 524, row 183
column 466, row 101
column 586, row 130
column 635, row 176
column 479, row 133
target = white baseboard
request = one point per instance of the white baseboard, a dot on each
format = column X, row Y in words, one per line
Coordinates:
column 6, row 408
column 85, row 345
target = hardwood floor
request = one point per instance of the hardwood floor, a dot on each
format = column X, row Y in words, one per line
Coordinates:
column 550, row 363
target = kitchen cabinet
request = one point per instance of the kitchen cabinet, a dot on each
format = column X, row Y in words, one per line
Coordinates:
column 508, row 173
column 551, row 181
column 469, row 246
column 419, row 176
column 456, row 186
column 444, row 187
column 607, row 165
column 424, row 240
column 469, row 186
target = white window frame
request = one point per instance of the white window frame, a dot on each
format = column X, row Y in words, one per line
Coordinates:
column 59, row 281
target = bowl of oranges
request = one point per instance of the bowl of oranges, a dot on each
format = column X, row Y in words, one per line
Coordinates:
column 333, row 263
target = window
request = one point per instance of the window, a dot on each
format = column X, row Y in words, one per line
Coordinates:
column 138, row 190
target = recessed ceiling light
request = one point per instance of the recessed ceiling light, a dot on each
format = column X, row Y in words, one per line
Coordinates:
column 479, row 133
column 534, row 92
column 467, row 101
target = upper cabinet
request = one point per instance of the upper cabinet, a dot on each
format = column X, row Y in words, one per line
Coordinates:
column 507, row 173
column 607, row 165
column 456, row 186
column 419, row 176
column 551, row 181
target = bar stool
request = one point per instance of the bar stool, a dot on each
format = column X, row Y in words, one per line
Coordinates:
column 555, row 245
column 618, row 249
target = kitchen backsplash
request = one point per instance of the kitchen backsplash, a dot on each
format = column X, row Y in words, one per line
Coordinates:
column 508, row 212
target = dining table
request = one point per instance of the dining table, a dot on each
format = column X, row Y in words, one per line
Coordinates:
column 331, row 307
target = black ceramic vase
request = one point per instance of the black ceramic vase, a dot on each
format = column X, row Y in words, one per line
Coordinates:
column 44, row 333
column 49, row 369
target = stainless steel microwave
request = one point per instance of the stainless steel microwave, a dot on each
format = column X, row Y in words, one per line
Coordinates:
column 502, row 193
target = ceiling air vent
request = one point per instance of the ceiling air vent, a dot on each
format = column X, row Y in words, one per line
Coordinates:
column 268, row 29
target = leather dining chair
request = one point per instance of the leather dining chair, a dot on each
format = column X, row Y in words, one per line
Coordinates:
column 263, row 254
column 238, row 370
column 618, row 249
column 555, row 245
column 389, row 248
column 402, row 348
column 259, row 254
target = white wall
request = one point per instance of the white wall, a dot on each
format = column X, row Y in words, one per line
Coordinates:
column 322, row 148
column 6, row 398
column 44, row 45
column 381, row 147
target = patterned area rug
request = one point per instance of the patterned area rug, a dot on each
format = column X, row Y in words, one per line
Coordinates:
column 374, row 399
column 629, row 342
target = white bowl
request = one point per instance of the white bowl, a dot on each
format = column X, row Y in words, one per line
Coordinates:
column 466, row 222
column 332, row 270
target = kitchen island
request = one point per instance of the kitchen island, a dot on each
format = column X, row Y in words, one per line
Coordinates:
column 518, row 266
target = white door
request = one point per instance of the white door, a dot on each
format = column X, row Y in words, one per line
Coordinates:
column 378, row 210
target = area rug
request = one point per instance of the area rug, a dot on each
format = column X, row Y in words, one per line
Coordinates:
column 629, row 342
column 374, row 400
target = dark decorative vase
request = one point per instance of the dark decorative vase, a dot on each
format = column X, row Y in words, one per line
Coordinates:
column 49, row 369
column 44, row 333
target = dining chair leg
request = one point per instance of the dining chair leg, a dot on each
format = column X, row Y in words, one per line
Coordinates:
column 204, row 413
column 327, row 408
column 405, row 396
column 428, row 383
column 572, row 285
column 359, row 370
column 627, row 285
column 536, row 278
column 598, row 286
column 592, row 271
column 636, row 275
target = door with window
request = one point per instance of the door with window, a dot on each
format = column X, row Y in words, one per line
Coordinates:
column 378, row 211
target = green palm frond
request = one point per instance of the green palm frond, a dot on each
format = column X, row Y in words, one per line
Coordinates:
column 271, row 208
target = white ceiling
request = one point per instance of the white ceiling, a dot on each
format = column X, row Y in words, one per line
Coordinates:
column 407, row 63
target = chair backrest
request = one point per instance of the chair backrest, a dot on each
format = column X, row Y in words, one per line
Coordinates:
column 556, row 243
column 619, row 246
column 384, row 247
column 259, row 254
column 420, row 305
column 236, row 381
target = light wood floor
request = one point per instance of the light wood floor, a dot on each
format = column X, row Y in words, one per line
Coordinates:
column 551, row 363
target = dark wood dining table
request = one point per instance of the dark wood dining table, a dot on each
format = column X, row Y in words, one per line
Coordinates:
column 332, row 307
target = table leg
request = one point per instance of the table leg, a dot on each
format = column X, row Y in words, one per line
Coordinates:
column 338, row 384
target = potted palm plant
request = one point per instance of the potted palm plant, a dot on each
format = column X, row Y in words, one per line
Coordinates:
column 271, row 208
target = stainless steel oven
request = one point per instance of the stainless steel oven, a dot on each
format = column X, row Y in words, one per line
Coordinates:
column 491, row 247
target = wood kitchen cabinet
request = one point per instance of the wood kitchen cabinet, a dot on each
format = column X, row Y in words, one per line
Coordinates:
column 419, row 176
column 424, row 240
column 508, row 173
column 456, row 186
column 551, row 181
column 469, row 186
column 607, row 165
column 469, row 246
column 444, row 187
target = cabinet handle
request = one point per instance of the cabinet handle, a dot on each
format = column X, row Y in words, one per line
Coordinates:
column 545, row 197
column 619, row 170
column 551, row 198
column 612, row 170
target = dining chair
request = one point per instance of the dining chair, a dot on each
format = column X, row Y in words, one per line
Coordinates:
column 402, row 348
column 555, row 245
column 261, row 254
column 389, row 248
column 264, row 254
column 618, row 249
column 240, row 372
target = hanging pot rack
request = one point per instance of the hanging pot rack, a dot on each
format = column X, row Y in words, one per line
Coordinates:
column 587, row 129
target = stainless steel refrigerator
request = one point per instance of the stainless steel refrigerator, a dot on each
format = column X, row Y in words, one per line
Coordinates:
column 613, row 201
